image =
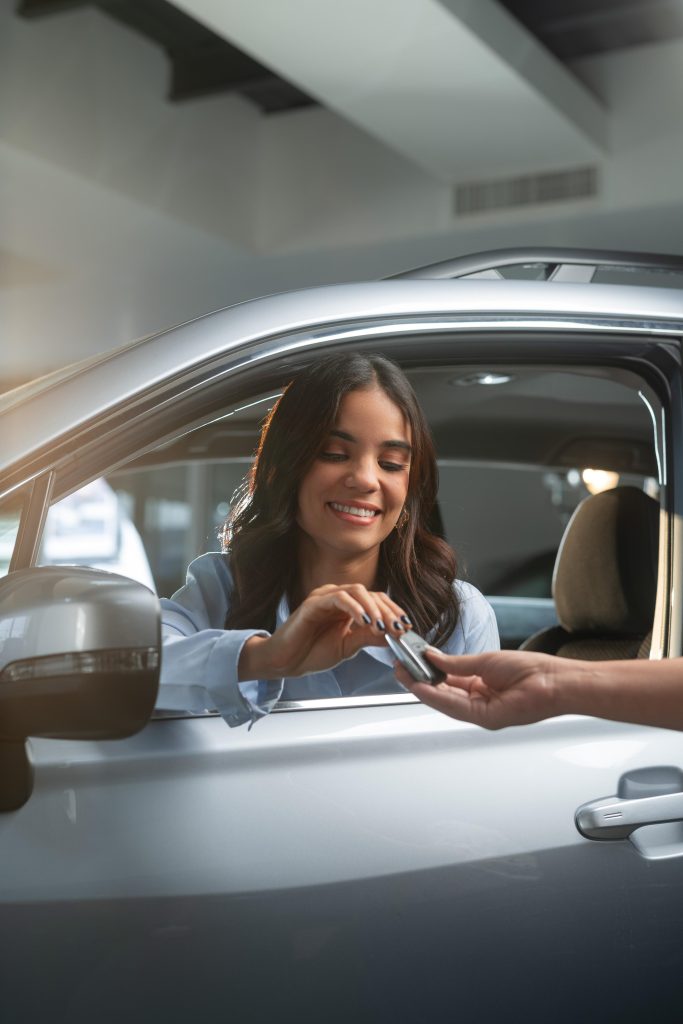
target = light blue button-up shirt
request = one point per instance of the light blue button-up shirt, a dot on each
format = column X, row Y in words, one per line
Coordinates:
column 199, row 659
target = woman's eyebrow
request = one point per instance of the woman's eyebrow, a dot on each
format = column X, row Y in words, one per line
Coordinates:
column 403, row 445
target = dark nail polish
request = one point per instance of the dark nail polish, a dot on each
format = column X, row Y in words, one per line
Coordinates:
column 397, row 624
column 366, row 618
column 404, row 618
column 381, row 626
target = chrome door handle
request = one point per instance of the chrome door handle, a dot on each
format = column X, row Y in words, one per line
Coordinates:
column 614, row 818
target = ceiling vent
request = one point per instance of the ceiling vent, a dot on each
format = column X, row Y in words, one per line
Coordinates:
column 529, row 190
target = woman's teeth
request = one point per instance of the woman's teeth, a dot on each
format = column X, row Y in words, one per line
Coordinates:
column 353, row 510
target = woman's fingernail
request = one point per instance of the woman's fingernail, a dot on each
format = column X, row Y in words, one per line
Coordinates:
column 397, row 624
column 404, row 618
column 381, row 626
column 366, row 618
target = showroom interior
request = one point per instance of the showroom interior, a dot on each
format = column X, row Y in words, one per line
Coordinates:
column 214, row 178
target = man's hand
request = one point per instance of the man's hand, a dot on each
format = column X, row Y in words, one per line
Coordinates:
column 492, row 690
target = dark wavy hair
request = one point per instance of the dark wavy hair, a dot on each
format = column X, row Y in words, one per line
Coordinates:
column 260, row 535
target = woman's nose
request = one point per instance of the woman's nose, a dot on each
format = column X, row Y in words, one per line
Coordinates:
column 362, row 475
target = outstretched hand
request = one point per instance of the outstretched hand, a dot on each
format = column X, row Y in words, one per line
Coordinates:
column 493, row 690
column 332, row 624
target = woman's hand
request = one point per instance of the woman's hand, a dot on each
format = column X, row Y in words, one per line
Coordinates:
column 332, row 624
column 492, row 690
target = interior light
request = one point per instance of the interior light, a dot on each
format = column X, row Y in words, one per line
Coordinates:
column 597, row 480
column 487, row 377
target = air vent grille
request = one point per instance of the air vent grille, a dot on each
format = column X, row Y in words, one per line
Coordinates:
column 527, row 190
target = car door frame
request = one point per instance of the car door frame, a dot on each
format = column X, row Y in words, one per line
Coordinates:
column 571, row 340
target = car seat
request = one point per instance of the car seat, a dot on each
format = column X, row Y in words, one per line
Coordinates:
column 605, row 579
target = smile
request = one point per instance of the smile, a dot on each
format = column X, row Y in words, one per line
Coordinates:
column 354, row 510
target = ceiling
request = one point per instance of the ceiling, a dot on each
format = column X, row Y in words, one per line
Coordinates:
column 468, row 92
column 203, row 61
column 160, row 159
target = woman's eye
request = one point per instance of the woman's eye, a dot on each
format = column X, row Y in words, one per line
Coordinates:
column 332, row 456
column 393, row 467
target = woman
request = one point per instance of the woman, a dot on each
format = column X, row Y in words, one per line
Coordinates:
column 325, row 551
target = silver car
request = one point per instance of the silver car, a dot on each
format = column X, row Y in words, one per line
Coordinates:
column 358, row 859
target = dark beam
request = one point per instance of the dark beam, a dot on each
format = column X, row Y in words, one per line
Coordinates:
column 577, row 28
column 202, row 62
column 40, row 8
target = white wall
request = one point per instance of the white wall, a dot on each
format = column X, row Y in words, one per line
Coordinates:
column 87, row 95
column 643, row 89
column 325, row 184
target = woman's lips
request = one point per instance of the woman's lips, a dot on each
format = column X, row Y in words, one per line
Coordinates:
column 359, row 514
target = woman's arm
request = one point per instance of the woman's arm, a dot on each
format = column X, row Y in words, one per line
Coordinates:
column 330, row 625
column 199, row 664
column 519, row 687
column 241, row 672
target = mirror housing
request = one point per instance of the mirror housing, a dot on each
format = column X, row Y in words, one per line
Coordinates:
column 79, row 659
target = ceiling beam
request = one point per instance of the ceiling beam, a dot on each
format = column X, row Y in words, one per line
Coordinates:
column 202, row 62
column 459, row 87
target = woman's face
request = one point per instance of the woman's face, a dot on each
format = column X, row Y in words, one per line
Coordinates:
column 353, row 494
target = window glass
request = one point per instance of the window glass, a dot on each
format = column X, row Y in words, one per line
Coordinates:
column 179, row 510
column 93, row 526
column 519, row 448
column 505, row 524
column 508, row 538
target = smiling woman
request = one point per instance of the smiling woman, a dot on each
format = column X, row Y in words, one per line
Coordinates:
column 326, row 551
column 354, row 493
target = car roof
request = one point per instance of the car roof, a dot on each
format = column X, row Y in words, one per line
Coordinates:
column 60, row 402
column 548, row 264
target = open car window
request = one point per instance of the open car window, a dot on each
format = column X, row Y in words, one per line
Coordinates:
column 519, row 447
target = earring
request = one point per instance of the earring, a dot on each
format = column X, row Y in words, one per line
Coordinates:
column 402, row 520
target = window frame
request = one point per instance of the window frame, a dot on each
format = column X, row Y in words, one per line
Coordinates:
column 643, row 348
column 32, row 522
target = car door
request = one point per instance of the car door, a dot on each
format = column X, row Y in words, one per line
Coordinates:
column 359, row 859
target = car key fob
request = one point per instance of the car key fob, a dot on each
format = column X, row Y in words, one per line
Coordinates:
column 409, row 649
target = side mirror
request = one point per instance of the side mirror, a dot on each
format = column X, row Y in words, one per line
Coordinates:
column 79, row 659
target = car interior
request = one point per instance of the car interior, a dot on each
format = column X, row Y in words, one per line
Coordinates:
column 520, row 447
column 605, row 579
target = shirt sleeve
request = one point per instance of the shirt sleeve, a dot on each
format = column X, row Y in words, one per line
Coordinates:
column 477, row 629
column 199, row 657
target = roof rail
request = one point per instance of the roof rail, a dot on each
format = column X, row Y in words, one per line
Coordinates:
column 487, row 263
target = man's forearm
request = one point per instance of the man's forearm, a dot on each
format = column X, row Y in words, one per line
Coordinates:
column 643, row 692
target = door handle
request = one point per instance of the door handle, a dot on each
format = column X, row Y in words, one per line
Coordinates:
column 646, row 796
column 612, row 818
